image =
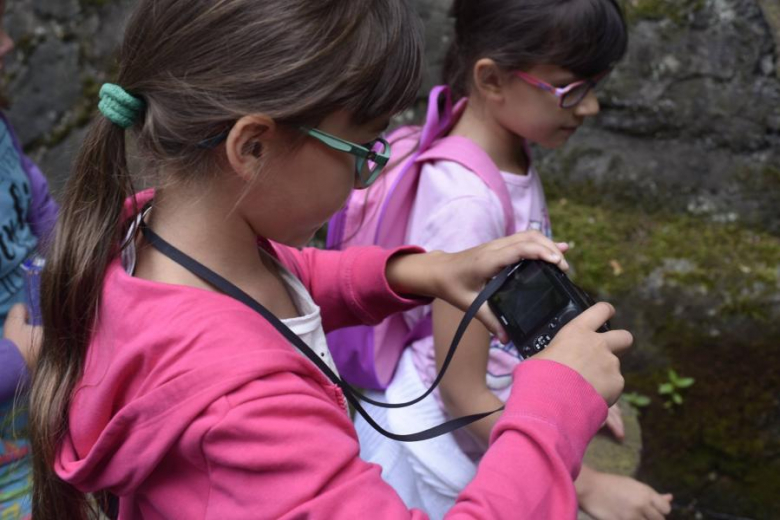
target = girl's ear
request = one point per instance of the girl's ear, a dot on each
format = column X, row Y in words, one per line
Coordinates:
column 489, row 80
column 248, row 143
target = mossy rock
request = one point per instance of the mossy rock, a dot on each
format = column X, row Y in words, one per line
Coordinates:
column 675, row 10
column 702, row 298
column 86, row 4
column 616, row 251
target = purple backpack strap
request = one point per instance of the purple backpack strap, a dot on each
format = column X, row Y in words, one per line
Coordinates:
column 357, row 354
column 466, row 153
column 367, row 356
column 437, row 122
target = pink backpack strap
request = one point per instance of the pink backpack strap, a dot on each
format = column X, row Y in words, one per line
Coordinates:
column 466, row 153
column 399, row 198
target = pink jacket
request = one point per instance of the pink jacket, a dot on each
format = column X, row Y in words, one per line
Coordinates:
column 193, row 406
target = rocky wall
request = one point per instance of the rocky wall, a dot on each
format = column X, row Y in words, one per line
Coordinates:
column 64, row 52
column 672, row 198
column 690, row 121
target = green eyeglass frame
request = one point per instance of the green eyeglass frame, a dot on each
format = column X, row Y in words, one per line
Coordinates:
column 370, row 158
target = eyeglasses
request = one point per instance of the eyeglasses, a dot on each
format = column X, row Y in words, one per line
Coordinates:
column 370, row 158
column 569, row 96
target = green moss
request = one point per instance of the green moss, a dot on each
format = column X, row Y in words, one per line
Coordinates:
column 720, row 447
column 90, row 92
column 79, row 117
column 90, row 88
column 25, row 44
column 617, row 249
column 93, row 3
column 711, row 322
column 674, row 10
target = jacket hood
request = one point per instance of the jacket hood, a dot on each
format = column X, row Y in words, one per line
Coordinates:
column 151, row 370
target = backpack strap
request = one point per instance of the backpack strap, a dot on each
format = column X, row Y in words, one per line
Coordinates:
column 399, row 198
column 465, row 152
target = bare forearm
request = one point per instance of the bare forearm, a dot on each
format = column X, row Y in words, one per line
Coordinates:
column 463, row 389
column 414, row 274
column 473, row 403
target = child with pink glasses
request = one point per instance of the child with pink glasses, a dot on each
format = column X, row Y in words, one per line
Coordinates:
column 528, row 70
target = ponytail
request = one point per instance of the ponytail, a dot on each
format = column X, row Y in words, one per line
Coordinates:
column 173, row 57
column 86, row 240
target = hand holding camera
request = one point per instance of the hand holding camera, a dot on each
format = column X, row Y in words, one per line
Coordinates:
column 592, row 354
column 458, row 278
column 541, row 309
column 536, row 307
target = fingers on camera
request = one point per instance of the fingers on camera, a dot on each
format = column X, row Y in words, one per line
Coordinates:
column 596, row 316
column 618, row 341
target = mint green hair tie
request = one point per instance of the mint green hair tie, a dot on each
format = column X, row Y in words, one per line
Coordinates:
column 119, row 107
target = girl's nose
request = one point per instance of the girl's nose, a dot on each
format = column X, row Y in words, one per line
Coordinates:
column 589, row 106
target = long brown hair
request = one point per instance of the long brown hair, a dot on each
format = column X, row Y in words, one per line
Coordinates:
column 199, row 65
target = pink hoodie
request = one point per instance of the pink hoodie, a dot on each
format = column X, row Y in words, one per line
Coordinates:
column 193, row 406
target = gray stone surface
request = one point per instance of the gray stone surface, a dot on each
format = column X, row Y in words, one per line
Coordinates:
column 64, row 51
column 771, row 9
column 690, row 119
column 50, row 76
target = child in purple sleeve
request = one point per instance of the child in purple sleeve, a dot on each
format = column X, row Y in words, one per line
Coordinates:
column 13, row 369
column 27, row 216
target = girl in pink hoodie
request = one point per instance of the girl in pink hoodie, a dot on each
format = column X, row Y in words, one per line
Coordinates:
column 165, row 381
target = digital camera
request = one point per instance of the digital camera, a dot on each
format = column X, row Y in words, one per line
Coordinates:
column 535, row 302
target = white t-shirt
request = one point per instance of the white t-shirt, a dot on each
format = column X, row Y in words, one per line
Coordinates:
column 307, row 326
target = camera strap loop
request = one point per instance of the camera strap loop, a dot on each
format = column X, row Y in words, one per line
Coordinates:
column 351, row 395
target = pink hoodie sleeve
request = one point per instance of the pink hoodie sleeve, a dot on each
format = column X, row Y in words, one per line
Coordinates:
column 350, row 286
column 280, row 447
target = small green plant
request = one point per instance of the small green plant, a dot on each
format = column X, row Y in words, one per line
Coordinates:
column 673, row 388
column 636, row 399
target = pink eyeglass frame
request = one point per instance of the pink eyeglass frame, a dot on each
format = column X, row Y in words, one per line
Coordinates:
column 560, row 93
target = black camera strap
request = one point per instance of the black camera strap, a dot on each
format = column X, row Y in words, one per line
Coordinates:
column 352, row 395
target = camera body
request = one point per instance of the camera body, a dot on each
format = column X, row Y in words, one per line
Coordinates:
column 535, row 302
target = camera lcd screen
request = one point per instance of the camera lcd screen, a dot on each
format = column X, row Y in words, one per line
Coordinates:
column 529, row 297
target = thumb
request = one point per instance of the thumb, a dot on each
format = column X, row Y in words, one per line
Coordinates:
column 18, row 313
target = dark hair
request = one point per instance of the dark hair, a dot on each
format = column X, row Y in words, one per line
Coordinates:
column 586, row 37
column 199, row 65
